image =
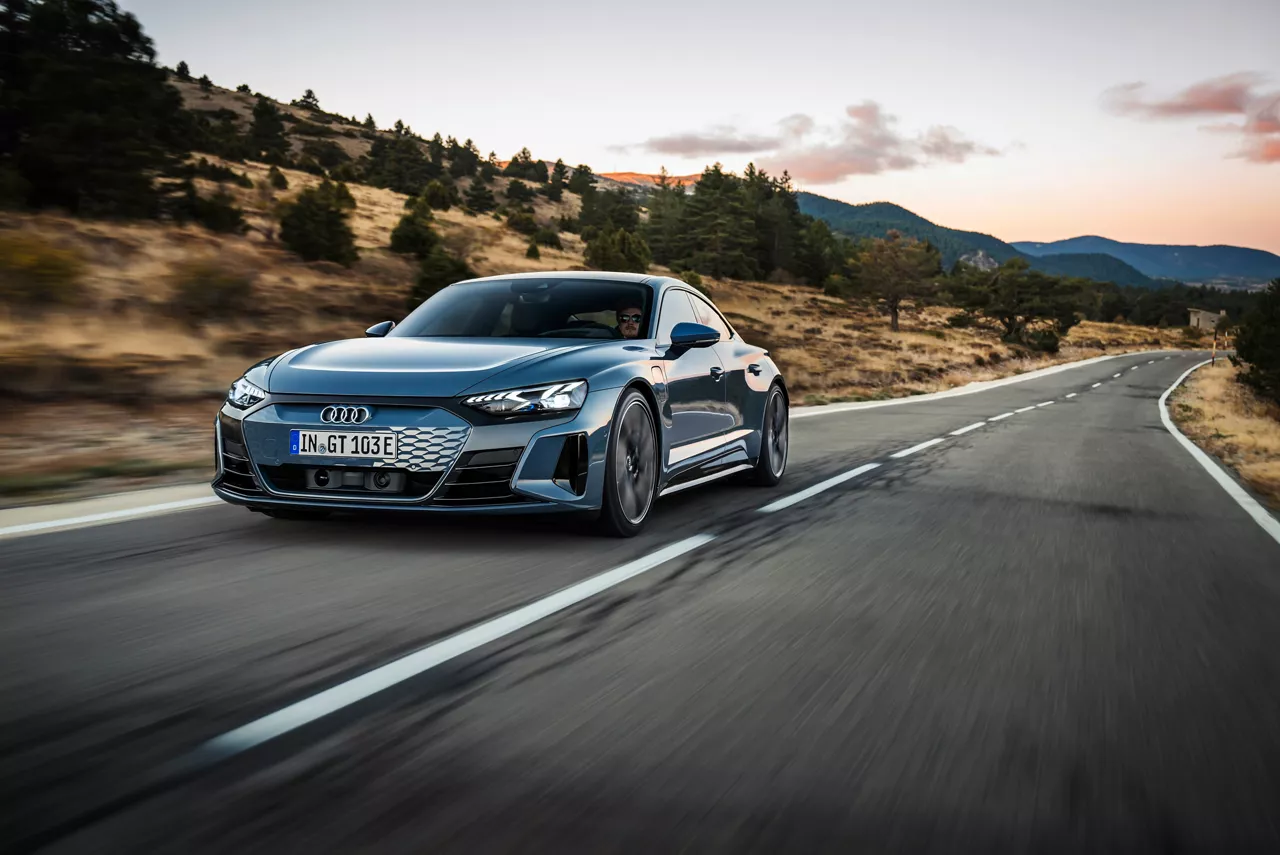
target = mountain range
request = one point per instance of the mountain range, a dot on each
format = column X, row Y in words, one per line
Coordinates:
column 1089, row 257
column 1229, row 265
column 876, row 218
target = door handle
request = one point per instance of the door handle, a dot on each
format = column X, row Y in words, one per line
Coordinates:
column 755, row 368
column 717, row 373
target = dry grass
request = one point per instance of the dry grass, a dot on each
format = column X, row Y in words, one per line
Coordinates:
column 1226, row 419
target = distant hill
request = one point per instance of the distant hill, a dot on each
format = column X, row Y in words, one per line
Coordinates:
column 643, row 180
column 876, row 218
column 1200, row 264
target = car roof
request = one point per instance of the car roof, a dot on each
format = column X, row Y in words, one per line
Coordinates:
column 598, row 275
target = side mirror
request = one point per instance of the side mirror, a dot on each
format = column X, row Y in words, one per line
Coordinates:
column 686, row 335
column 379, row 330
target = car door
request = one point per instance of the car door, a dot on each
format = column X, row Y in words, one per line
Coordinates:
column 695, row 383
column 734, row 358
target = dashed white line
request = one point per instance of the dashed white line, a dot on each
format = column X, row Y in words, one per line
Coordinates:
column 1135, row 368
column 1095, row 385
column 358, row 688
column 1072, row 395
column 1024, row 409
column 1151, row 362
column 821, row 486
column 1001, row 416
column 1114, row 376
column 1045, row 404
column 967, row 428
column 913, row 449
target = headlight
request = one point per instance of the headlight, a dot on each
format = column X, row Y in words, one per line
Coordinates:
column 244, row 394
column 550, row 398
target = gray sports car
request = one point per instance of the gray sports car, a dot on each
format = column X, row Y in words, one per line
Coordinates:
column 537, row 392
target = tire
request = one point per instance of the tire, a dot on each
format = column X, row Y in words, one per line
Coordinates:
column 631, row 468
column 775, row 441
column 290, row 514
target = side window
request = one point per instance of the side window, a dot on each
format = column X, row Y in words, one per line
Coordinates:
column 675, row 310
column 708, row 316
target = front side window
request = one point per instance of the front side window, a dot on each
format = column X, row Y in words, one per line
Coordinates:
column 533, row 308
column 709, row 316
column 676, row 309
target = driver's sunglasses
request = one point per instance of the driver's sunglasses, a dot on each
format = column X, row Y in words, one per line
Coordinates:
column 629, row 319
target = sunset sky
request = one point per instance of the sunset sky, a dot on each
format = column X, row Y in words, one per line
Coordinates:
column 1155, row 121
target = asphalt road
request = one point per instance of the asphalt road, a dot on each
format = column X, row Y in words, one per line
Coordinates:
column 1053, row 632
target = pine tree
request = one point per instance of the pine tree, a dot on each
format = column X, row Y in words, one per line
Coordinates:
column 183, row 71
column 205, row 83
column 266, row 134
column 309, row 100
column 315, row 225
column 244, row 89
column 436, row 149
column 554, row 190
column 437, row 271
column 369, row 123
column 479, row 197
column 617, row 250
column 582, row 180
column 664, row 231
column 87, row 119
column 276, row 179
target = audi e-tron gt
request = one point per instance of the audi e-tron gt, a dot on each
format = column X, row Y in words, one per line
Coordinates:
column 530, row 393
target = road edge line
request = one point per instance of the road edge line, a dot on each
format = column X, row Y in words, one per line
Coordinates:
column 968, row 389
column 1248, row 503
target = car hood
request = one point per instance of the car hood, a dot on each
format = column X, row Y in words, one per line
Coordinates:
column 409, row 367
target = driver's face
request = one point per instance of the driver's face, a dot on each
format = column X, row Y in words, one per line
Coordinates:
column 629, row 322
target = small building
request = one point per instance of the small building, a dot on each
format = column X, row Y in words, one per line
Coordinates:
column 1205, row 320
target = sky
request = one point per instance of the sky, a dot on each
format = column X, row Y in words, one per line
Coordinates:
column 1138, row 120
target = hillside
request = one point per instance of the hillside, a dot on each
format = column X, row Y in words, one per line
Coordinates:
column 1201, row 264
column 130, row 376
column 876, row 218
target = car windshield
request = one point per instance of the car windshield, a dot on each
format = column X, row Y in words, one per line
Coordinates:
column 533, row 308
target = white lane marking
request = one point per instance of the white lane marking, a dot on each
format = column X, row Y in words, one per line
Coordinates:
column 371, row 682
column 968, row 389
column 1114, row 376
column 1072, row 395
column 913, row 449
column 1260, row 515
column 821, row 486
column 1001, row 416
column 109, row 516
column 1044, row 404
column 1024, row 409
column 1095, row 385
column 1135, row 368
column 968, row 428
column 1151, row 362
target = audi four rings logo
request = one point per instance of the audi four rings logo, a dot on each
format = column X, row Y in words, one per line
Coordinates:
column 345, row 415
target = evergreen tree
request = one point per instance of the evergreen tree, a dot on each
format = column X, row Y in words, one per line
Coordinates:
column 664, row 230
column 582, row 180
column 436, row 149
column 414, row 234
column 399, row 164
column 718, row 224
column 438, row 270
column 244, row 89
column 315, row 225
column 609, row 209
column 533, row 251
column 479, row 197
column 1258, row 344
column 276, row 178
column 369, row 123
column 554, row 190
column 617, row 250
column 518, row 191
column 464, row 159
column 183, row 71
column 309, row 100
column 205, row 83
column 87, row 119
column 266, row 134
column 441, row 197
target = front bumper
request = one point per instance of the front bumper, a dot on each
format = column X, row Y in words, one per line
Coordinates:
column 451, row 460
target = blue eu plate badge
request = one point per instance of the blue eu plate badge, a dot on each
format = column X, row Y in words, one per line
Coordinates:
column 293, row 441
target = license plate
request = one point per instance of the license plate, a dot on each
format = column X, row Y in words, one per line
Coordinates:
column 323, row 443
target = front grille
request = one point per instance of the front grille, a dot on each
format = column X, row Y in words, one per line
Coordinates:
column 482, row 478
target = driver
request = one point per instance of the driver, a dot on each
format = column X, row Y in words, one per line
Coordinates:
column 629, row 321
